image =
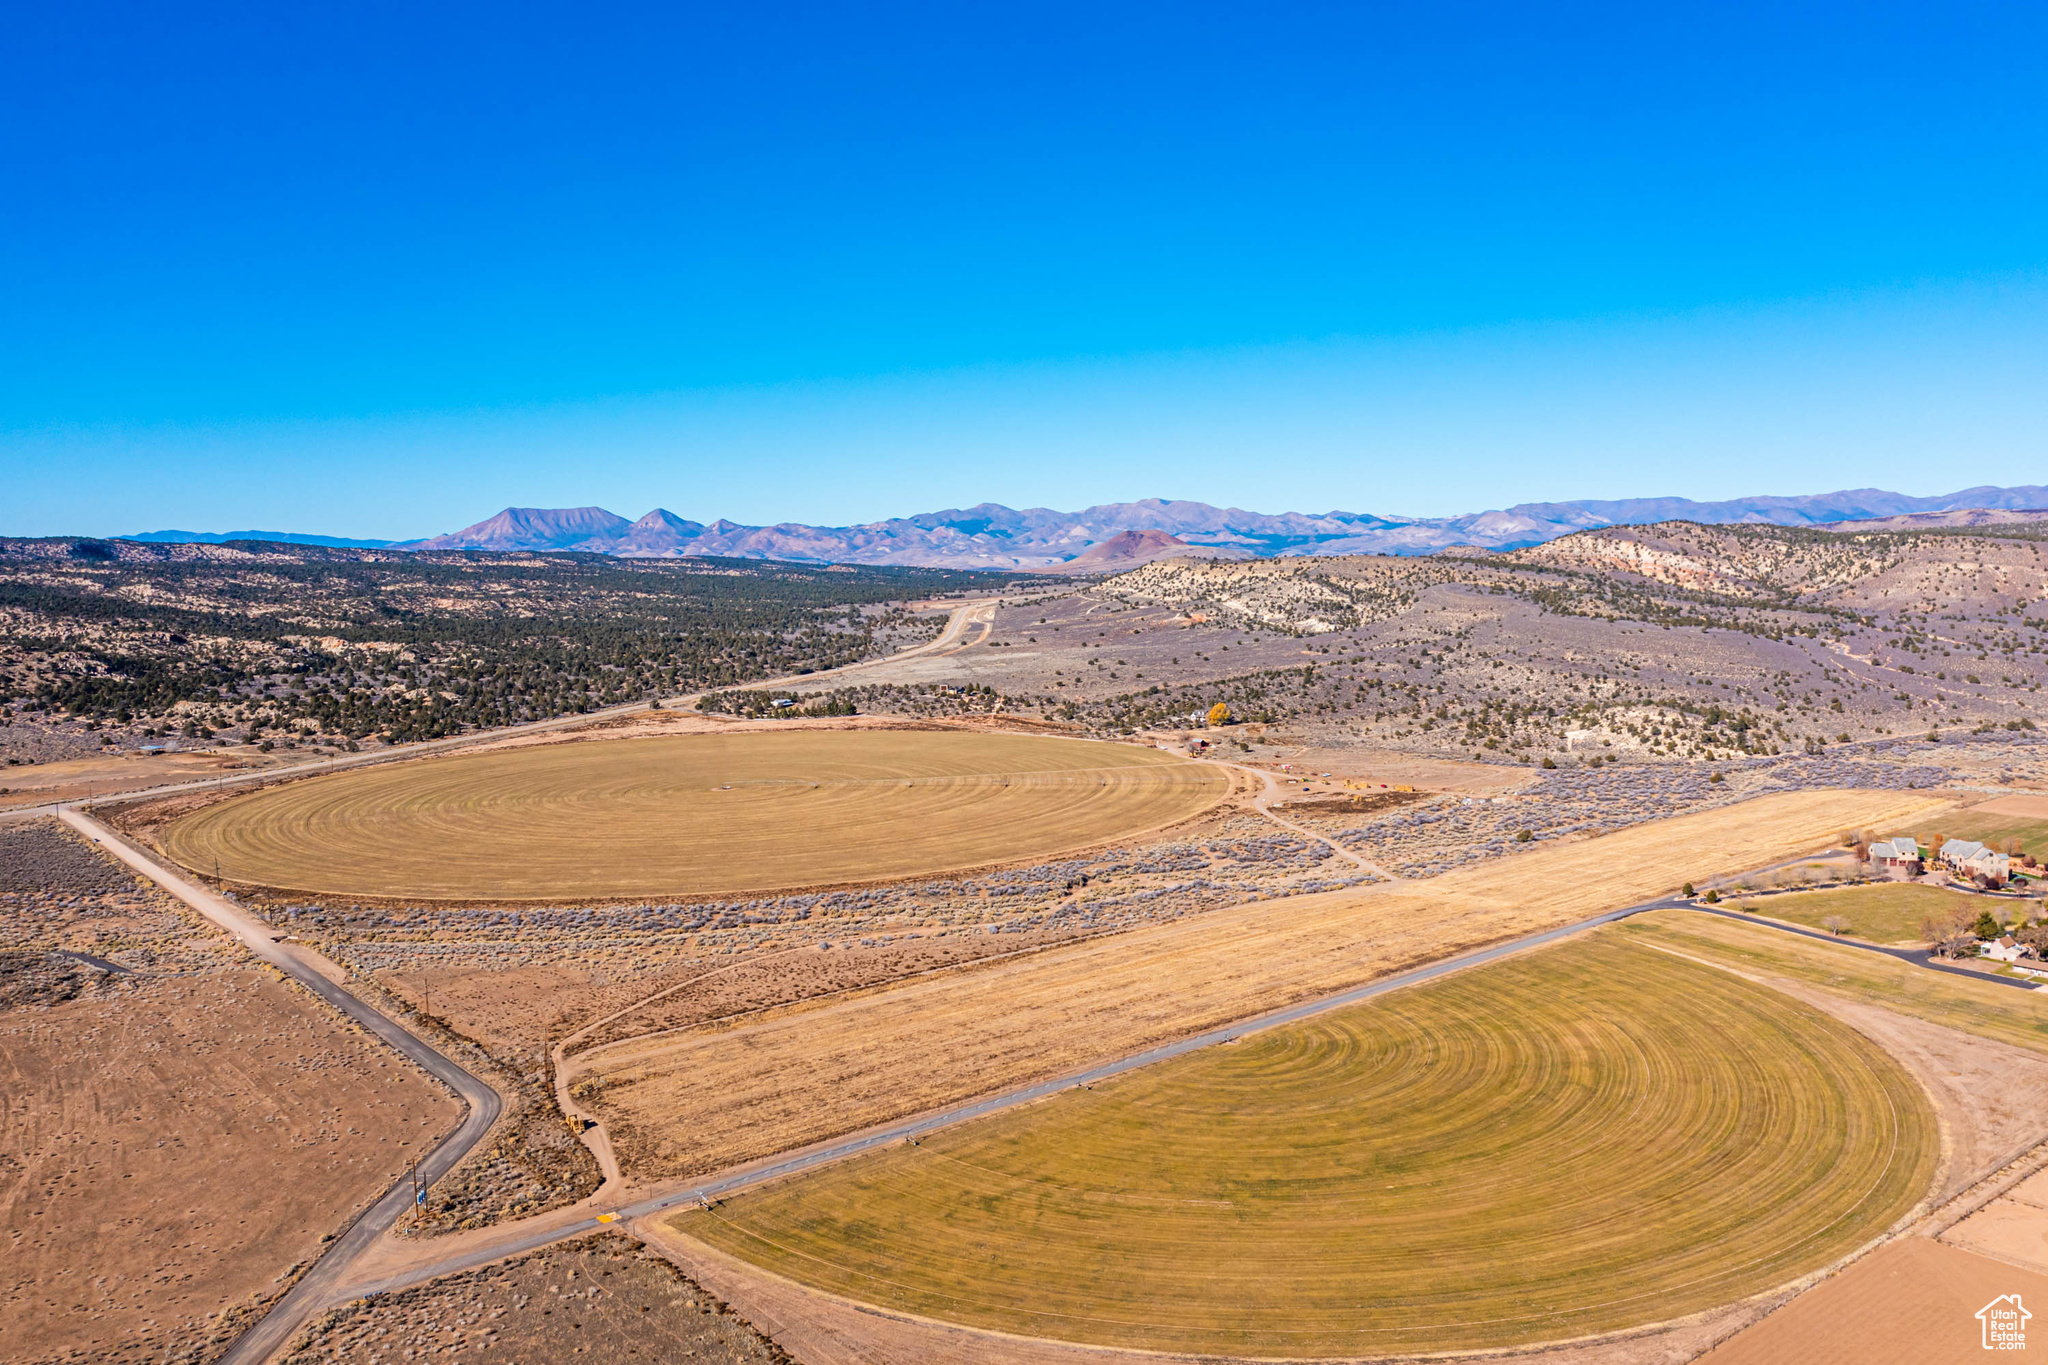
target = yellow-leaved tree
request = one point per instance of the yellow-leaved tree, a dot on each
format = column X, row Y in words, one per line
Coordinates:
column 1219, row 713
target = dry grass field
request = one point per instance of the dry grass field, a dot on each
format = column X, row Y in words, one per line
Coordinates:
column 1578, row 1140
column 1913, row 1302
column 700, row 1099
column 1884, row 913
column 170, row 1153
column 2027, row 806
column 603, row 1297
column 1987, row 1009
column 1993, row 828
column 692, row 814
column 176, row 1134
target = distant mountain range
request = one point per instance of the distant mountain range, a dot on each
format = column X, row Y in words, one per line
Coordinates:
column 277, row 537
column 992, row 536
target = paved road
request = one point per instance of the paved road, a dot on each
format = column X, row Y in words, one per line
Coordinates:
column 317, row 1287
column 518, row 1240
column 325, row 1283
column 1919, row 957
column 329, row 1282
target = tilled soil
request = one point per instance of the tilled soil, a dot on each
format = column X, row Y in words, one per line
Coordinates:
column 603, row 1297
column 1914, row 1302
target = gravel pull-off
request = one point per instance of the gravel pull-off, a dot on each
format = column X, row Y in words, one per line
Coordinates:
column 604, row 1298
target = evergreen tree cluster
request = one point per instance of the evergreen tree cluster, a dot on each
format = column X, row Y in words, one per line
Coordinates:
column 351, row 644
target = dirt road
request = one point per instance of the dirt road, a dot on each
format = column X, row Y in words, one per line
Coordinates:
column 980, row 611
column 593, row 1134
column 1263, row 803
column 320, row 1284
column 467, row 1251
column 347, row 1274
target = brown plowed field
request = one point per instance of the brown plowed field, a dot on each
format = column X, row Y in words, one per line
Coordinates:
column 700, row 1099
column 179, row 1128
column 1914, row 1302
column 706, row 814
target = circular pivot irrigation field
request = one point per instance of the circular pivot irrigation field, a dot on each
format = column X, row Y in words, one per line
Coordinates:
column 1582, row 1139
column 692, row 814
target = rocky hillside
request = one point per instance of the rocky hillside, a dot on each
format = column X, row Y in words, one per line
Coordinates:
column 1668, row 642
column 1760, row 563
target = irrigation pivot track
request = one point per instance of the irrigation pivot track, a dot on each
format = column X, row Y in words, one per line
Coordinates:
column 316, row 1287
column 517, row 1239
column 639, row 817
column 740, row 1177
column 329, row 1283
column 976, row 611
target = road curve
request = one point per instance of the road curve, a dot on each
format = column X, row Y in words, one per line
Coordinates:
column 1919, row 957
column 329, row 1283
column 594, row 1134
column 517, row 1239
column 317, row 1286
column 320, row 1286
column 980, row 611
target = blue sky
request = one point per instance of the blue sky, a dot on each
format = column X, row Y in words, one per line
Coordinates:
column 372, row 270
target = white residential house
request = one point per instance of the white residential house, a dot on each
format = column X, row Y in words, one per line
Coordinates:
column 1955, row 851
column 1994, row 867
column 1973, row 859
column 2007, row 949
column 1896, row 854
